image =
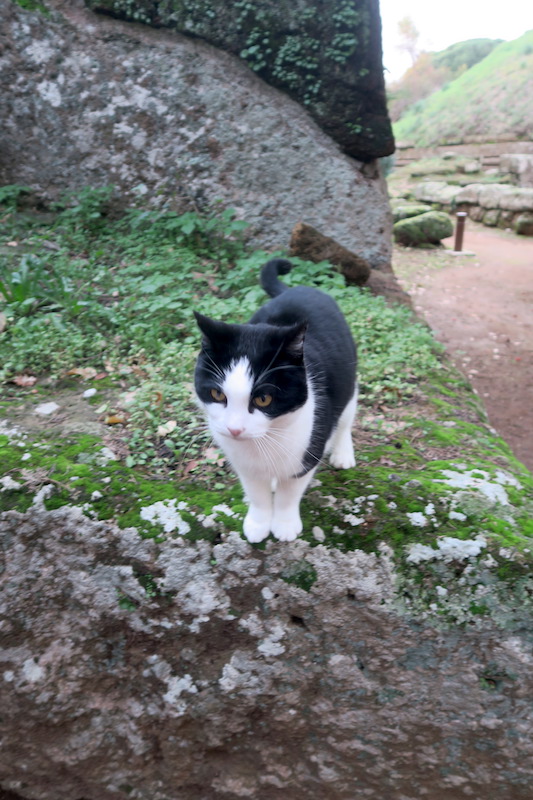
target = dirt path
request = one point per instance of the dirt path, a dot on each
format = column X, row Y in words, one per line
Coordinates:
column 481, row 308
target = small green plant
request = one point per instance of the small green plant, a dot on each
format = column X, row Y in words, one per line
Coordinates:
column 10, row 195
column 33, row 5
column 33, row 287
column 26, row 288
column 301, row 574
column 204, row 234
column 86, row 209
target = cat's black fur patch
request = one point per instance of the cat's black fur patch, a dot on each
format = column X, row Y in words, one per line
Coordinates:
column 275, row 354
column 272, row 341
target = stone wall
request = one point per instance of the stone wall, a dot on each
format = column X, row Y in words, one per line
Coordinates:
column 520, row 167
column 89, row 100
column 495, row 205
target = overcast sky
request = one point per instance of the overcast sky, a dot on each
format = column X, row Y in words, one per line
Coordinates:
column 444, row 23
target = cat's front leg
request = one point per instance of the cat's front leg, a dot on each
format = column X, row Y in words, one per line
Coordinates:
column 258, row 519
column 286, row 520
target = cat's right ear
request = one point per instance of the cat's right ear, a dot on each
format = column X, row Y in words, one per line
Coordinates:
column 206, row 325
column 214, row 333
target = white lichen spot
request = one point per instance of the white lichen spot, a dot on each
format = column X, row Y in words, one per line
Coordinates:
column 318, row 534
column 480, row 480
column 105, row 455
column 417, row 519
column 40, row 52
column 448, row 549
column 507, row 480
column 271, row 646
column 12, row 432
column 43, row 493
column 252, row 624
column 176, row 687
column 354, row 521
column 9, row 676
column 50, row 93
column 89, row 393
column 7, row 483
column 458, row 515
column 31, row 671
column 224, row 509
column 165, row 513
column 420, row 552
column 44, row 409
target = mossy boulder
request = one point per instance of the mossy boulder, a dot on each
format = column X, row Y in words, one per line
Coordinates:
column 428, row 228
column 405, row 211
column 325, row 54
column 523, row 224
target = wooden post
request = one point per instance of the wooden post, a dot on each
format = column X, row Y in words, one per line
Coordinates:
column 459, row 231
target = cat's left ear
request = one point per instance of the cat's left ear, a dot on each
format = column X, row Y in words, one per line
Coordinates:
column 294, row 342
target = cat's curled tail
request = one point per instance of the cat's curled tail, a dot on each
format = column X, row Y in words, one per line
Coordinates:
column 269, row 275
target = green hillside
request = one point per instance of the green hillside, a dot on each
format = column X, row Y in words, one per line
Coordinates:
column 491, row 99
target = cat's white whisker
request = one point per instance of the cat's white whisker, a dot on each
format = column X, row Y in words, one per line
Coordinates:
column 285, row 450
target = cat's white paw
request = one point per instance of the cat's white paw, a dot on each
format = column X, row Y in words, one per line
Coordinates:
column 342, row 458
column 256, row 528
column 287, row 528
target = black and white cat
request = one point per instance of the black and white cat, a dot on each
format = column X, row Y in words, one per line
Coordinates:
column 279, row 392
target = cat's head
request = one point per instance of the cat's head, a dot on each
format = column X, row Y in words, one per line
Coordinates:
column 247, row 376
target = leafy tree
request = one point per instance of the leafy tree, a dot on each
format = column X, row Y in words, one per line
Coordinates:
column 409, row 37
column 461, row 56
column 420, row 80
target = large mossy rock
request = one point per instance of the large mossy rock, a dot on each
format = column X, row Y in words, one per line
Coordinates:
column 428, row 228
column 148, row 651
column 326, row 54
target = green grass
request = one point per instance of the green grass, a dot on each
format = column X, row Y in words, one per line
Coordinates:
column 117, row 297
column 490, row 99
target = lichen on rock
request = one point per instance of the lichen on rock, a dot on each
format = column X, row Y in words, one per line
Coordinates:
column 325, row 55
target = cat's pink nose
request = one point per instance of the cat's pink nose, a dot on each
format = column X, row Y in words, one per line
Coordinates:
column 235, row 432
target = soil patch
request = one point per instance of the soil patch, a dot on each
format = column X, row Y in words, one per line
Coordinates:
column 480, row 306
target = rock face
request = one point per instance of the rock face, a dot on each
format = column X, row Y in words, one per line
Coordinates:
column 200, row 672
column 326, row 54
column 520, row 166
column 86, row 100
column 310, row 244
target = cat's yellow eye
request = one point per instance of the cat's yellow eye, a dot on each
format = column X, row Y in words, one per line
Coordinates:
column 262, row 400
column 218, row 397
